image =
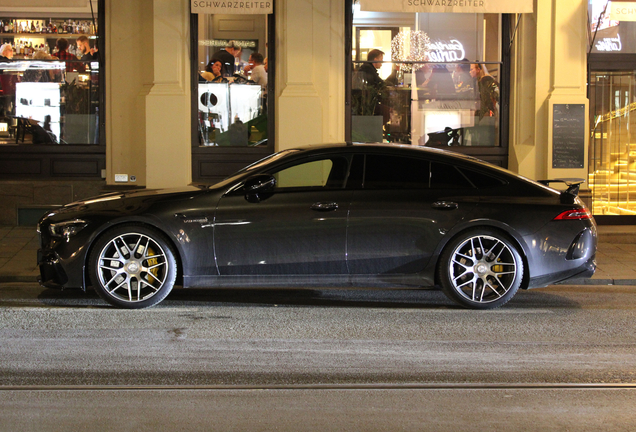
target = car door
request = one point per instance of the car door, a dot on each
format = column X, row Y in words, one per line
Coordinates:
column 298, row 227
column 402, row 210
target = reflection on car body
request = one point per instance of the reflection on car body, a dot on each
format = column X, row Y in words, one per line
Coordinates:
column 327, row 216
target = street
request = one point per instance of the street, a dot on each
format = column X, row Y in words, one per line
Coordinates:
column 324, row 353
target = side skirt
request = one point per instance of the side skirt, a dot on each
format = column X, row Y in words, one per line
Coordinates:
column 308, row 281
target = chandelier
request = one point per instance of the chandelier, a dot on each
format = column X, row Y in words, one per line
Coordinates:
column 410, row 46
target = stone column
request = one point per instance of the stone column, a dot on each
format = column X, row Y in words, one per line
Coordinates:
column 168, row 141
column 310, row 72
column 549, row 66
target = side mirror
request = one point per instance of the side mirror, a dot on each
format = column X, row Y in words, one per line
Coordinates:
column 257, row 185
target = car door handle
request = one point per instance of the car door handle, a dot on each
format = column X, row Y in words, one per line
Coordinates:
column 321, row 206
column 444, row 205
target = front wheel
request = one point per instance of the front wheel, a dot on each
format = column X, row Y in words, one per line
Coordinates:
column 481, row 269
column 133, row 267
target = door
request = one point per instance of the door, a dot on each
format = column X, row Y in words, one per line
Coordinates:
column 401, row 213
column 296, row 228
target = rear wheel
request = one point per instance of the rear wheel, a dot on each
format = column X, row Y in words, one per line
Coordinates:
column 133, row 267
column 481, row 269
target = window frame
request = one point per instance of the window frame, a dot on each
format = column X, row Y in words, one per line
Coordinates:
column 496, row 155
column 56, row 161
column 348, row 158
column 227, row 159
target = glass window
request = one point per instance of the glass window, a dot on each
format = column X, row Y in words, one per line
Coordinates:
column 481, row 180
column 324, row 173
column 233, row 80
column 426, row 78
column 394, row 172
column 445, row 176
column 610, row 35
column 50, row 80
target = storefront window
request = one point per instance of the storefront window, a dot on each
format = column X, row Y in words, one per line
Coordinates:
column 426, row 78
column 50, row 81
column 232, row 89
column 233, row 68
column 612, row 95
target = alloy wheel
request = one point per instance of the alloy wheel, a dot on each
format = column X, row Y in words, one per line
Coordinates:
column 483, row 269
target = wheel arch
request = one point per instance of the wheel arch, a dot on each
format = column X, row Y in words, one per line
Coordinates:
column 141, row 222
column 507, row 230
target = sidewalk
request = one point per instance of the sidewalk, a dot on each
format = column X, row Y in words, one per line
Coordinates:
column 615, row 257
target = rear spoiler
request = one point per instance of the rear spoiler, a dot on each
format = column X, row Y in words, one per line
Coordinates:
column 573, row 185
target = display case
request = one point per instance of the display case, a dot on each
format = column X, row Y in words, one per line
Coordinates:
column 231, row 114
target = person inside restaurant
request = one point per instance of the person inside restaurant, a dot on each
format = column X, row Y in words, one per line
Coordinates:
column 256, row 69
column 212, row 72
column 6, row 52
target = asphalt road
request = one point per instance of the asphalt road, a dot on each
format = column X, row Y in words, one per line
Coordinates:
column 552, row 359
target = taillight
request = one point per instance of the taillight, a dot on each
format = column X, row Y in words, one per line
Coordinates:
column 574, row 214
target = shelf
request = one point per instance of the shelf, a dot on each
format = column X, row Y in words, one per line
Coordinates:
column 45, row 35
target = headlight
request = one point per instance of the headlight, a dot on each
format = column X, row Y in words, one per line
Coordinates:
column 67, row 229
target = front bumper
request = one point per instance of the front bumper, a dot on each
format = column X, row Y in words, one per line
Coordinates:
column 52, row 274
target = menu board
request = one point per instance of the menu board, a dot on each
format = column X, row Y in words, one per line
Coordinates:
column 568, row 136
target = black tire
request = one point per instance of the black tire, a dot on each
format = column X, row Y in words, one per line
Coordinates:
column 481, row 269
column 132, row 266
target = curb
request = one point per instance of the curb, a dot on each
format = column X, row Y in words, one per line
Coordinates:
column 599, row 282
column 13, row 278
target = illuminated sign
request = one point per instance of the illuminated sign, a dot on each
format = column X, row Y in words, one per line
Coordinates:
column 445, row 6
column 623, row 11
column 231, row 7
column 222, row 43
column 609, row 44
column 446, row 51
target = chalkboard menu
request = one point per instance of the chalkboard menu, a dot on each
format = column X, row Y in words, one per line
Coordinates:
column 568, row 136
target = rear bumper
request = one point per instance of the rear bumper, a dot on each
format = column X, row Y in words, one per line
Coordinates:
column 585, row 271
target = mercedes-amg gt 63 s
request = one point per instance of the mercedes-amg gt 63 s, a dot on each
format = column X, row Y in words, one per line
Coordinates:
column 327, row 216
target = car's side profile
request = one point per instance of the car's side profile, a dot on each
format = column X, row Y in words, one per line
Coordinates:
column 327, row 216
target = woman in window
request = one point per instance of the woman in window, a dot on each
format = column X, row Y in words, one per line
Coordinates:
column 213, row 72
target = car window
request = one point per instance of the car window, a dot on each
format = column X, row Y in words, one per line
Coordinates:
column 481, row 180
column 322, row 173
column 356, row 173
column 444, row 176
column 395, row 172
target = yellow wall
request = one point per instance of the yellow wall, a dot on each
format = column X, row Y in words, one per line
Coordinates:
column 148, row 92
column 148, row 89
column 549, row 66
column 310, row 72
column 129, row 70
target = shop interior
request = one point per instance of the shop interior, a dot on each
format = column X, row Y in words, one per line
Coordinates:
column 48, row 96
column 232, row 105
column 427, row 95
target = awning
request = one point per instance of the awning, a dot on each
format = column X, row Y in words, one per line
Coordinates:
column 231, row 7
column 453, row 6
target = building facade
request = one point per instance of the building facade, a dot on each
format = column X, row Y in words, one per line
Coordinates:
column 161, row 129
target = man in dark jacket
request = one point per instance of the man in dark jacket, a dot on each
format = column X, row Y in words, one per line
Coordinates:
column 370, row 70
column 227, row 58
column 84, row 47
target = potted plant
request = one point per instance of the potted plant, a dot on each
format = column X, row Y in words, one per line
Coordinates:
column 365, row 125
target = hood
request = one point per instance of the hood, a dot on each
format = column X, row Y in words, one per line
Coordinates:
column 137, row 193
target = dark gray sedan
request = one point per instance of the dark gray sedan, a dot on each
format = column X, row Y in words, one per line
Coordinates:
column 327, row 216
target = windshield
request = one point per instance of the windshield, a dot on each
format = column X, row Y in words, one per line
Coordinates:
column 256, row 165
